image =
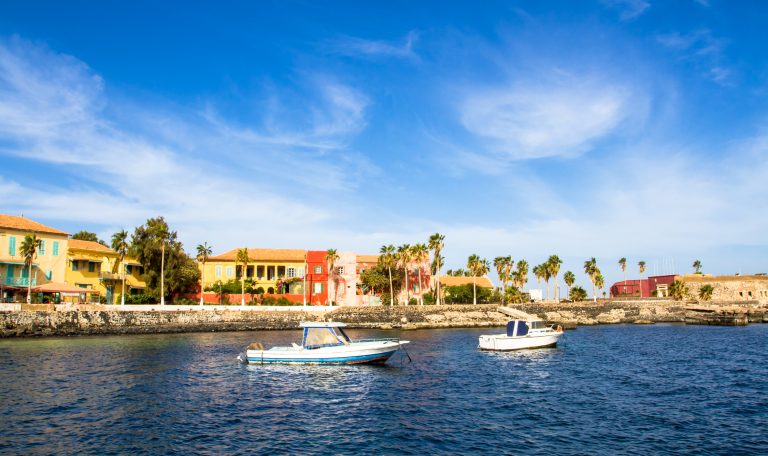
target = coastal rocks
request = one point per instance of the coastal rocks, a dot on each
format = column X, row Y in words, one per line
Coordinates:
column 614, row 316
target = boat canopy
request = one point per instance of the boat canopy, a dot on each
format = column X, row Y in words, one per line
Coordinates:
column 324, row 336
column 516, row 328
column 322, row 324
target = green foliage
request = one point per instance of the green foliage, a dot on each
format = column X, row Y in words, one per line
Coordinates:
column 569, row 278
column 428, row 298
column 705, row 292
column 678, row 290
column 181, row 272
column 281, row 301
column 374, row 279
column 578, row 294
column 144, row 298
column 88, row 236
column 462, row 294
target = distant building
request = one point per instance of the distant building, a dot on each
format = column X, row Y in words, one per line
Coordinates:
column 90, row 266
column 452, row 281
column 725, row 288
column 48, row 266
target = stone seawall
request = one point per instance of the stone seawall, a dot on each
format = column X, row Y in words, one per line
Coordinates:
column 111, row 321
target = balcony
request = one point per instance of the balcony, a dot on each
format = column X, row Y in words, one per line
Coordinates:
column 18, row 281
column 109, row 276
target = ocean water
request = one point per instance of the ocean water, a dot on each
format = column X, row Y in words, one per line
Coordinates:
column 661, row 389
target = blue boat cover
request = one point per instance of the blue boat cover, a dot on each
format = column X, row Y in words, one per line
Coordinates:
column 522, row 328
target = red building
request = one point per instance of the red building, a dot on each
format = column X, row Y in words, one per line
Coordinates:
column 644, row 288
column 317, row 278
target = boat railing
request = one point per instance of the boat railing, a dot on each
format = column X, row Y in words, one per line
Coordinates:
column 382, row 339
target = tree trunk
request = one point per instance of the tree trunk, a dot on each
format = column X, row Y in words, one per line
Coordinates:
column 474, row 291
column 202, row 284
column 162, row 275
column 421, row 290
column 407, row 292
column 391, row 292
column 29, row 283
column 122, row 291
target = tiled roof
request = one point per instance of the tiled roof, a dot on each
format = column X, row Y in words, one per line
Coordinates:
column 367, row 258
column 23, row 224
column 297, row 255
column 89, row 245
column 450, row 281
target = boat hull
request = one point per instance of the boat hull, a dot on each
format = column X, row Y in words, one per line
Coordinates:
column 354, row 353
column 502, row 342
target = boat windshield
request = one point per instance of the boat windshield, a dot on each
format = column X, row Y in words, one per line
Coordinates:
column 321, row 337
column 343, row 336
column 538, row 324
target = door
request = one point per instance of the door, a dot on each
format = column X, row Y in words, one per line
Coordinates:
column 110, row 294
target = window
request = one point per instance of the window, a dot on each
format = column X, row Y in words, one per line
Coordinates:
column 91, row 266
column 340, row 270
column 230, row 271
column 9, row 271
column 12, row 246
column 749, row 293
column 218, row 271
column 41, row 250
column 128, row 268
column 48, row 274
column 55, row 248
column 291, row 272
column 75, row 265
column 318, row 269
column 317, row 288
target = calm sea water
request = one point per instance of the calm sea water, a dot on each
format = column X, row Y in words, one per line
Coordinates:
column 606, row 390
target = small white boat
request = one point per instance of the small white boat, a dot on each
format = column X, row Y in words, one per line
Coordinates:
column 326, row 343
column 523, row 334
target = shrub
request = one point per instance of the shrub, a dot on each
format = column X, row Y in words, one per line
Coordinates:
column 143, row 298
column 429, row 298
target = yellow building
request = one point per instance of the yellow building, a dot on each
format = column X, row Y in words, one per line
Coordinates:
column 266, row 268
column 90, row 266
column 48, row 266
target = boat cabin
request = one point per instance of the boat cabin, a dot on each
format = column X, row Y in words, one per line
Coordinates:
column 317, row 335
column 520, row 328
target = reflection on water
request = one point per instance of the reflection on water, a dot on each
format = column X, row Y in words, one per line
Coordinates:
column 605, row 390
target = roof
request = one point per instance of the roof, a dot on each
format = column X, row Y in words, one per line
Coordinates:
column 724, row 278
column 264, row 255
column 451, row 281
column 367, row 258
column 23, row 224
column 322, row 324
column 89, row 245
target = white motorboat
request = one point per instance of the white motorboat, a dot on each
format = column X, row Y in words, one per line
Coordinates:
column 523, row 334
column 326, row 343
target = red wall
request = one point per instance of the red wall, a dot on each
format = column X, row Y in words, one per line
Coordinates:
column 317, row 258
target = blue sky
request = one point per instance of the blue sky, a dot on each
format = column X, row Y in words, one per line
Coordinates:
column 610, row 128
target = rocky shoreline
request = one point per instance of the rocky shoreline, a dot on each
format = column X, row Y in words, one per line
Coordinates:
column 107, row 320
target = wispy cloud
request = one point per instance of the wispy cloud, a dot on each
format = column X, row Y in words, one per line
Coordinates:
column 359, row 47
column 54, row 110
column 703, row 49
column 628, row 9
column 544, row 119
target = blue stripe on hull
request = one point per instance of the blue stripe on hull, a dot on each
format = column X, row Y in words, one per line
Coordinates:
column 376, row 358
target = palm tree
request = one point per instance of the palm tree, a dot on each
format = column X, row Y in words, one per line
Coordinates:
column 120, row 245
column 500, row 263
column 697, row 266
column 436, row 245
column 705, row 292
column 331, row 257
column 419, row 252
column 678, row 290
column 538, row 271
column 203, row 252
column 242, row 259
column 29, row 251
column 387, row 259
column 483, row 267
column 546, row 274
column 164, row 235
column 404, row 257
column 623, row 266
column 569, row 279
column 641, row 267
column 599, row 281
column 590, row 269
column 522, row 273
column 577, row 294
column 554, row 268
column 473, row 265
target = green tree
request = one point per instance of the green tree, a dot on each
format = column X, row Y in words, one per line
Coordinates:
column 29, row 248
column 88, row 236
column 641, row 268
column 705, row 292
column 503, row 267
column 331, row 257
column 623, row 266
column 473, row 263
column 577, row 294
column 599, row 282
column 387, row 260
column 591, row 270
column 120, row 245
column 203, row 252
column 569, row 279
column 404, row 258
column 242, row 260
column 436, row 243
column 420, row 252
column 678, row 290
column 554, row 263
column 697, row 267
column 522, row 274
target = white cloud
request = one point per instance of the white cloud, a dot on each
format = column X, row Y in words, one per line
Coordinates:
column 703, row 49
column 535, row 120
column 212, row 179
column 358, row 47
column 628, row 9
